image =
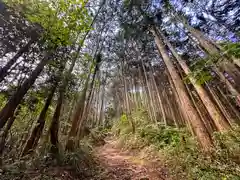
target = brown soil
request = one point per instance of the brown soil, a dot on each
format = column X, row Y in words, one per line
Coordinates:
column 111, row 164
column 122, row 165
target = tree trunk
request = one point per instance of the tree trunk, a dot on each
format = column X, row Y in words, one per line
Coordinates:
column 220, row 105
column 209, row 46
column 235, row 112
column 37, row 131
column 88, row 100
column 219, row 120
column 147, row 93
column 24, row 49
column 69, row 116
column 25, row 135
column 195, row 121
column 5, row 133
column 233, row 72
column 230, row 87
column 54, row 127
column 77, row 117
column 8, row 110
column 55, row 121
column 178, row 101
column 96, row 118
column 159, row 98
column 102, row 105
column 127, row 105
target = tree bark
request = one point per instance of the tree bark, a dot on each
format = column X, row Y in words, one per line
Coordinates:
column 195, row 121
column 54, row 127
column 5, row 133
column 77, row 117
column 32, row 141
column 8, row 110
column 55, row 120
column 160, row 101
column 24, row 49
column 220, row 105
column 102, row 105
column 216, row 115
column 234, row 110
column 127, row 103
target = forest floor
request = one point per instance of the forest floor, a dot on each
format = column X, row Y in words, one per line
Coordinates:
column 125, row 165
column 110, row 163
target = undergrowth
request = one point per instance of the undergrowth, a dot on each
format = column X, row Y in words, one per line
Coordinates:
column 43, row 165
column 180, row 151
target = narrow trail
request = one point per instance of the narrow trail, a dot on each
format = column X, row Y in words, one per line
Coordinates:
column 122, row 165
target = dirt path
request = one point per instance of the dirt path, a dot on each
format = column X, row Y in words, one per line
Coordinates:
column 119, row 165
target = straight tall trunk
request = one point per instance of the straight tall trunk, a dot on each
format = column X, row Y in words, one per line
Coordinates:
column 102, row 105
column 88, row 100
column 208, row 45
column 147, row 92
column 127, row 105
column 194, row 118
column 160, row 101
column 8, row 110
column 54, row 127
column 220, row 105
column 98, row 94
column 5, row 133
column 171, row 112
column 178, row 100
column 216, row 115
column 90, row 107
column 183, row 116
column 25, row 135
column 229, row 86
column 135, row 93
column 69, row 116
column 127, row 99
column 32, row 141
column 55, row 121
column 230, row 105
column 78, row 112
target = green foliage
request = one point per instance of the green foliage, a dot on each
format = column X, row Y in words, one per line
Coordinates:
column 122, row 126
column 232, row 49
column 167, row 5
column 179, row 150
column 188, row 161
column 228, row 145
column 201, row 68
column 3, row 100
column 161, row 136
column 62, row 20
column 77, row 165
column 127, row 3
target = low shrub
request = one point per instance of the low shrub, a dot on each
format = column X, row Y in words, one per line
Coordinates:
column 179, row 150
column 42, row 165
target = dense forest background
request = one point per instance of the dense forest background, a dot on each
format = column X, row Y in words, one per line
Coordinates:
column 162, row 73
